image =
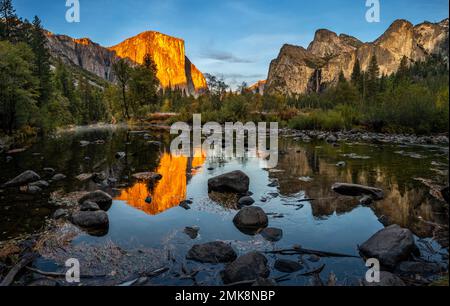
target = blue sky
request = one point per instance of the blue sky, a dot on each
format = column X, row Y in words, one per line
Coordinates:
column 233, row 38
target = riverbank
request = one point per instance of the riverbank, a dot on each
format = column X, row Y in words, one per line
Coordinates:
column 366, row 137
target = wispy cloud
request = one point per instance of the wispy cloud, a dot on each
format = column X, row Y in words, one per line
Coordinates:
column 239, row 76
column 224, row 56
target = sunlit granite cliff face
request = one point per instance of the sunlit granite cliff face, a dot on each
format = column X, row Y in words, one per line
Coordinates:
column 298, row 70
column 168, row 53
column 258, row 87
column 174, row 69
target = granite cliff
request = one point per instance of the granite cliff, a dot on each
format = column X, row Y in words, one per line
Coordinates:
column 174, row 69
column 297, row 70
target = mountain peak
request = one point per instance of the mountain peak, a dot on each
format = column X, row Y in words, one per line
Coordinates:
column 327, row 43
column 151, row 35
column 297, row 71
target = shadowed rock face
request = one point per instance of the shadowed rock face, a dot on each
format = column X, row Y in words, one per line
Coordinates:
column 174, row 69
column 297, row 70
column 82, row 53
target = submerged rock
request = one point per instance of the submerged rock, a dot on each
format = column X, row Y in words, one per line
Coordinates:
column 387, row 279
column 236, row 181
column 185, row 204
column 247, row 267
column 390, row 246
column 60, row 213
column 91, row 219
column 41, row 184
column 31, row 189
column 412, row 268
column 101, row 198
column 147, row 176
column 358, row 190
column 287, row 266
column 22, row 179
column 212, row 252
column 58, row 177
column 250, row 220
column 89, row 206
column 246, row 201
column 192, row 231
column 272, row 234
column 331, row 139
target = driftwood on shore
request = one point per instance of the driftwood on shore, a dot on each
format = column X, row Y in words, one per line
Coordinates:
column 147, row 275
column 302, row 251
column 9, row 278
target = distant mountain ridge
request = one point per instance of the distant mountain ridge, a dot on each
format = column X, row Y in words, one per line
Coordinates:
column 174, row 69
column 297, row 70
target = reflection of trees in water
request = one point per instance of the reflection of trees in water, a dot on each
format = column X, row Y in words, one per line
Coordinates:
column 405, row 200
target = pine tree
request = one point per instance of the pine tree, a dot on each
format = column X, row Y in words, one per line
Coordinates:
column 403, row 68
column 402, row 74
column 8, row 21
column 383, row 83
column 64, row 83
column 373, row 75
column 341, row 78
column 356, row 73
column 144, row 84
column 41, row 61
column 17, row 86
column 122, row 70
column 357, row 78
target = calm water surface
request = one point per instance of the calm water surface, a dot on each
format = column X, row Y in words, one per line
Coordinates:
column 330, row 223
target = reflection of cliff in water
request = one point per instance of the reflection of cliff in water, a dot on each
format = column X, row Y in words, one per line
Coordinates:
column 168, row 192
column 406, row 202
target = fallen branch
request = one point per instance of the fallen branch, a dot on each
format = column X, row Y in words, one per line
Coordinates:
column 313, row 272
column 302, row 251
column 151, row 274
column 278, row 279
column 156, row 272
column 9, row 278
